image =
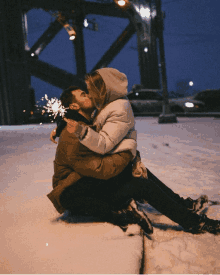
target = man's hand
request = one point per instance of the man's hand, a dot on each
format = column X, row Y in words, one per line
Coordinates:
column 139, row 170
column 72, row 125
column 53, row 135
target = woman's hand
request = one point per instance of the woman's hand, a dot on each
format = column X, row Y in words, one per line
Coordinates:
column 72, row 125
column 139, row 170
column 53, row 135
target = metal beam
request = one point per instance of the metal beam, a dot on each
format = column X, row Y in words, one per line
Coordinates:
column 46, row 38
column 79, row 41
column 14, row 76
column 107, row 9
column 147, row 42
column 53, row 5
column 51, row 74
column 116, row 47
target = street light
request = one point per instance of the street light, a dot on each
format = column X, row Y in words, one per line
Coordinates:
column 62, row 20
column 191, row 83
column 70, row 30
column 166, row 116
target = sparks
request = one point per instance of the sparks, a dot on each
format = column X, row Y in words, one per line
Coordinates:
column 54, row 106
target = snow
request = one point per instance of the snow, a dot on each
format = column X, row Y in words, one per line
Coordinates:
column 184, row 155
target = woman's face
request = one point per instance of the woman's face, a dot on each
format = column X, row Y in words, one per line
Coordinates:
column 89, row 88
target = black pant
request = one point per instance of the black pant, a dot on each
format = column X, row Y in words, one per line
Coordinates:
column 99, row 197
column 93, row 196
column 159, row 196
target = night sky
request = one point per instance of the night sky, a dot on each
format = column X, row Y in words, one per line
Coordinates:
column 191, row 41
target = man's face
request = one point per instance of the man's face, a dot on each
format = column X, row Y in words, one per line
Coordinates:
column 83, row 100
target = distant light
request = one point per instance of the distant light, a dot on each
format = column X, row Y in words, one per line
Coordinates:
column 189, row 104
column 32, row 54
column 121, row 3
column 24, row 111
column 72, row 37
column 41, row 123
column 86, row 24
column 143, row 11
column 137, row 94
column 145, row 49
column 191, row 83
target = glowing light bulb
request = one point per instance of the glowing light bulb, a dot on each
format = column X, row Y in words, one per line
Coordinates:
column 86, row 24
column 72, row 37
column 121, row 3
column 191, row 83
column 145, row 12
column 189, row 104
column 145, row 49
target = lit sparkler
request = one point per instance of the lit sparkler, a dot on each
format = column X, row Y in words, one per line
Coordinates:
column 54, row 106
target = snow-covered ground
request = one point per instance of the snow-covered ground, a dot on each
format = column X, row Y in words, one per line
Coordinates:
column 184, row 155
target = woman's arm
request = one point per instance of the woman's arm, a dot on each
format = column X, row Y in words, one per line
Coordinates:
column 118, row 123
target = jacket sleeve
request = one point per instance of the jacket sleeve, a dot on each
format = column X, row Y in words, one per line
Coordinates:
column 103, row 167
column 91, row 164
column 117, row 125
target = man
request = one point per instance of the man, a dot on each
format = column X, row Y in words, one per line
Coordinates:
column 73, row 160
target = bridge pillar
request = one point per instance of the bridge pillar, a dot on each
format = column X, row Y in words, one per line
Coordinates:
column 15, row 99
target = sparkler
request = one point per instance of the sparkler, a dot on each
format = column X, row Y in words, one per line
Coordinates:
column 54, row 106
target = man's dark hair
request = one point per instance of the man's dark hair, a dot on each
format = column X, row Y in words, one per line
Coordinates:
column 67, row 97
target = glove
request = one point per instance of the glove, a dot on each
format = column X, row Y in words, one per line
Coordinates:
column 139, row 170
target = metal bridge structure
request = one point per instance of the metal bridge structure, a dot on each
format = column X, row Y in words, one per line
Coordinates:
column 18, row 62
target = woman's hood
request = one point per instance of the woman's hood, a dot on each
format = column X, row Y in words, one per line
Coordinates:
column 116, row 83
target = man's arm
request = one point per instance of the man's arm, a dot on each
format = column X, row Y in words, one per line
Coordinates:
column 102, row 167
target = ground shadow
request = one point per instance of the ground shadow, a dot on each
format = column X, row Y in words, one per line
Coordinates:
column 166, row 227
column 148, row 208
column 69, row 218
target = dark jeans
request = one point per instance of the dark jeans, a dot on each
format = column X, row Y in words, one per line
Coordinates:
column 98, row 197
column 93, row 196
column 157, row 195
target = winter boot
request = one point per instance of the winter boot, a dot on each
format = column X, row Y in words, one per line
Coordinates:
column 141, row 218
column 131, row 215
column 205, row 225
column 196, row 205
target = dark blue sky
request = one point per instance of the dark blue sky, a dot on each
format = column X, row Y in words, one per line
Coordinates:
column 191, row 40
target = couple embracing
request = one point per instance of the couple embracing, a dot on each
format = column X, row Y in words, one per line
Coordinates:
column 97, row 168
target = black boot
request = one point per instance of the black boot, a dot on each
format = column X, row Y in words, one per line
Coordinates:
column 205, row 225
column 131, row 215
column 196, row 205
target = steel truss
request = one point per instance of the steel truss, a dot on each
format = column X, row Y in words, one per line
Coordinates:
column 21, row 63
